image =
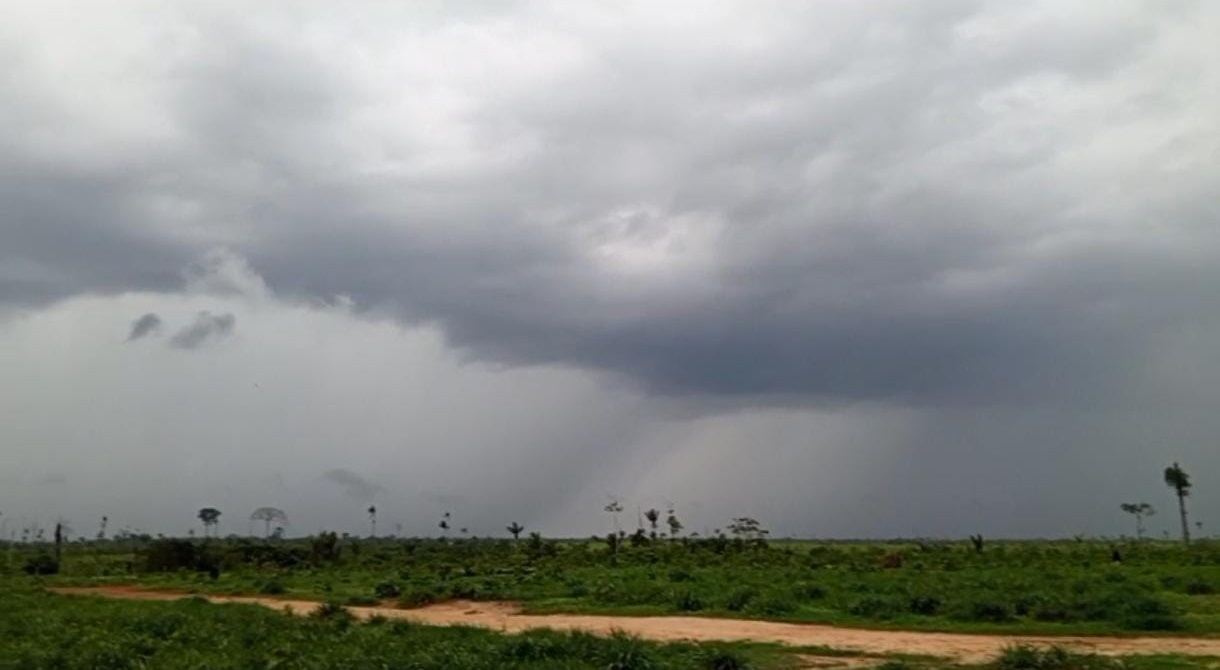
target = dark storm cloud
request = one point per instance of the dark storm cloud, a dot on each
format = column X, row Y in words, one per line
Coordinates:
column 965, row 203
column 206, row 327
column 148, row 324
column 354, row 486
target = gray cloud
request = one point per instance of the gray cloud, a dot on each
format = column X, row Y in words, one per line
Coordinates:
column 148, row 324
column 831, row 213
column 819, row 216
column 206, row 327
column 354, row 486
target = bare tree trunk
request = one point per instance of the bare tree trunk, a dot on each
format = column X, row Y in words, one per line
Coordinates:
column 1182, row 513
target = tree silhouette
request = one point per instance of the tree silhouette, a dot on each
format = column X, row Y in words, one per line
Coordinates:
column 372, row 521
column 444, row 524
column 267, row 515
column 1177, row 479
column 653, row 517
column 210, row 516
column 675, row 526
column 613, row 508
column 1139, row 511
column 516, row 529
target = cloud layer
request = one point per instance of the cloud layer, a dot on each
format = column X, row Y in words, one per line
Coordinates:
column 841, row 203
column 825, row 226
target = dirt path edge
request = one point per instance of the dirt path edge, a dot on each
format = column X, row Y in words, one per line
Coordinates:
column 506, row 617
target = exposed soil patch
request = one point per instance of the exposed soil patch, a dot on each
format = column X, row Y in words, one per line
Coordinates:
column 965, row 648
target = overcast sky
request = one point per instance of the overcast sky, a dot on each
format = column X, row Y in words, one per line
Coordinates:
column 856, row 269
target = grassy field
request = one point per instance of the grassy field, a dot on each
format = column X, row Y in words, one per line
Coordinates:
column 1014, row 587
column 40, row 630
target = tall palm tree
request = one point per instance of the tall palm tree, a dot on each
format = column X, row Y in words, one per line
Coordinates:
column 1177, row 479
column 372, row 521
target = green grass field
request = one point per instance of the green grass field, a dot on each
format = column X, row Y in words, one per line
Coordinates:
column 1043, row 587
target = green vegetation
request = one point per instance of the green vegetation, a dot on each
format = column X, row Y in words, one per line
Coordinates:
column 1045, row 587
column 40, row 630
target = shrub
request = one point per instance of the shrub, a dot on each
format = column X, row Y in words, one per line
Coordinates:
column 774, row 605
column 1198, row 587
column 1023, row 657
column 740, row 599
column 809, row 592
column 42, row 564
column 386, row 590
column 688, row 602
column 924, row 605
column 417, row 598
column 873, row 607
column 719, row 659
column 990, row 611
column 271, row 587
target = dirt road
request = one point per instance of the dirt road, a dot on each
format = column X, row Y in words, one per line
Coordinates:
column 965, row 648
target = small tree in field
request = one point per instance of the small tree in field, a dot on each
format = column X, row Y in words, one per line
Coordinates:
column 1139, row 511
column 653, row 517
column 613, row 508
column 675, row 526
column 516, row 530
column 372, row 521
column 1177, row 479
column 444, row 525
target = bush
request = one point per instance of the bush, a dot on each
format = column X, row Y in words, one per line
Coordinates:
column 774, row 605
column 924, row 605
column 272, row 587
column 42, row 564
column 418, row 598
column 688, row 602
column 990, row 611
column 1023, row 657
column 719, row 659
column 333, row 611
column 386, row 590
column 872, row 607
column 1198, row 587
column 740, row 599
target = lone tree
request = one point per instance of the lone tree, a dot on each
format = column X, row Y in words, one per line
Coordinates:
column 372, row 521
column 267, row 515
column 1139, row 511
column 444, row 524
column 613, row 508
column 653, row 517
column 1177, row 479
column 675, row 526
column 210, row 516
column 516, row 530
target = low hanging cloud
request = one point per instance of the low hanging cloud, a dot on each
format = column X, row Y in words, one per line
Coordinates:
column 206, row 327
column 145, row 326
column 354, row 486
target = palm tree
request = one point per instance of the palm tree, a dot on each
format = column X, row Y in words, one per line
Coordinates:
column 210, row 516
column 444, row 524
column 1139, row 511
column 1177, row 479
column 515, row 528
column 372, row 521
